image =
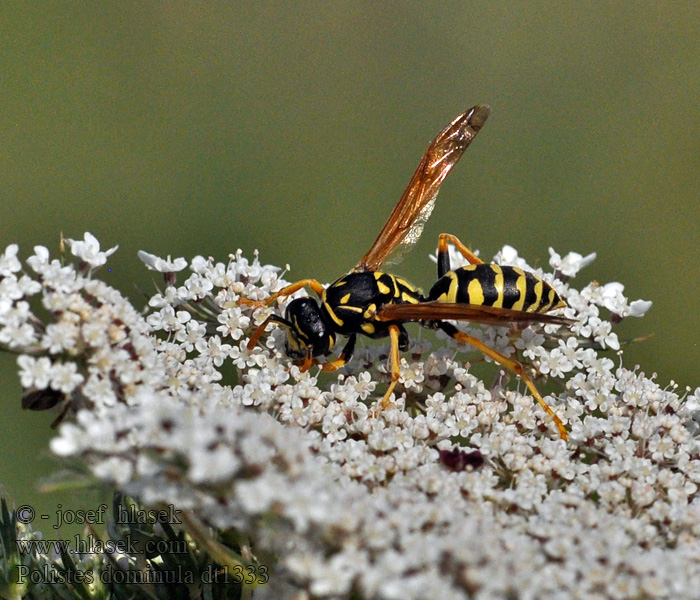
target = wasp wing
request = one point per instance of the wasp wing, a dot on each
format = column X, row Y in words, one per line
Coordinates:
column 445, row 311
column 405, row 224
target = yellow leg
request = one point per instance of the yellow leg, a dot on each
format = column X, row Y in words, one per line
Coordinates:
column 395, row 362
column 446, row 238
column 307, row 364
column 517, row 368
column 286, row 291
column 344, row 357
column 295, row 287
column 258, row 332
column 334, row 365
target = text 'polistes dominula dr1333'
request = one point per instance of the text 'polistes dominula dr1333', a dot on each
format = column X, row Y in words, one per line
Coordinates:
column 377, row 304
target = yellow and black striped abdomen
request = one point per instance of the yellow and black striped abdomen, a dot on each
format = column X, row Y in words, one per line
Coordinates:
column 497, row 286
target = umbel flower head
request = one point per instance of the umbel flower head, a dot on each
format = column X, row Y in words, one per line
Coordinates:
column 462, row 489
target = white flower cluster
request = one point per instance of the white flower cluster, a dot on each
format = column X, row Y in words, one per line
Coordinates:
column 460, row 490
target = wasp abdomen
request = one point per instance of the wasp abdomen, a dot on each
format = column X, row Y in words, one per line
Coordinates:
column 497, row 286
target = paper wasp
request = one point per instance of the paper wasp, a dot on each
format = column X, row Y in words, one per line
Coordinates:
column 374, row 303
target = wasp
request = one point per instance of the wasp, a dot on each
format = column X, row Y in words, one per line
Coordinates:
column 377, row 304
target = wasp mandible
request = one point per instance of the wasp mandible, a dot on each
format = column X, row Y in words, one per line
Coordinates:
column 377, row 304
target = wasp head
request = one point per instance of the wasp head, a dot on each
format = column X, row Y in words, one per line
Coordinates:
column 308, row 333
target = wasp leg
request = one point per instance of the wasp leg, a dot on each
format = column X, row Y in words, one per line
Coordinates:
column 394, row 336
column 344, row 357
column 261, row 329
column 308, row 363
column 508, row 363
column 286, row 291
column 443, row 255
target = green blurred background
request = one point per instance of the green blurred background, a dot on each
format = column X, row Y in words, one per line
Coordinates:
column 193, row 128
